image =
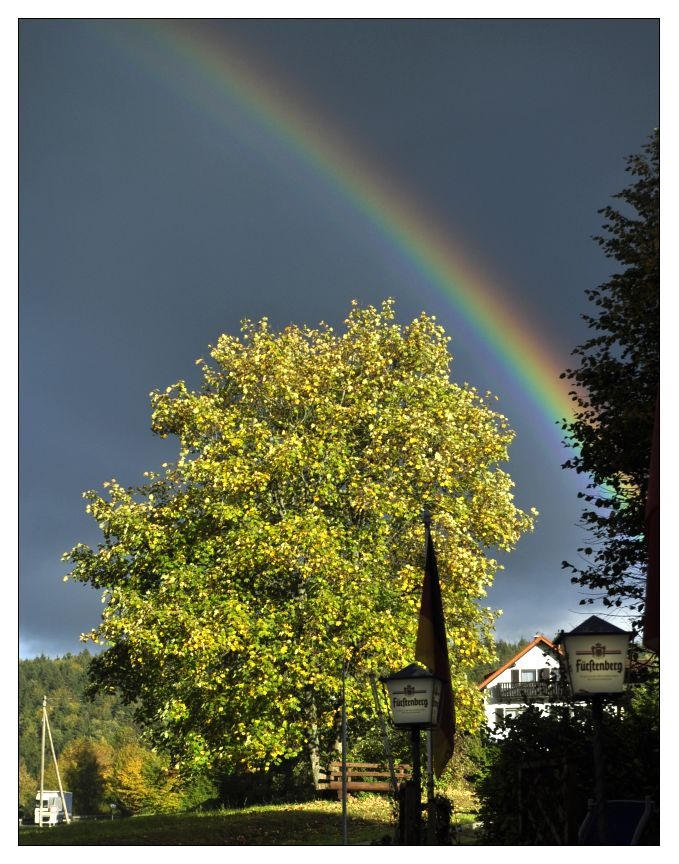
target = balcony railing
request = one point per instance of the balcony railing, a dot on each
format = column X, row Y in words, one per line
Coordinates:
column 528, row 691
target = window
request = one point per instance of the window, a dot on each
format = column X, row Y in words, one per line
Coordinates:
column 514, row 712
column 528, row 675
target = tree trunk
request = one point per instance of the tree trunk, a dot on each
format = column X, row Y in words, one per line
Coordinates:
column 314, row 747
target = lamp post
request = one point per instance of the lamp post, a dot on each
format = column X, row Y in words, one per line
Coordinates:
column 414, row 699
column 595, row 654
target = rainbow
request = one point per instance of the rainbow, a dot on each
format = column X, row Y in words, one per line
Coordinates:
column 214, row 75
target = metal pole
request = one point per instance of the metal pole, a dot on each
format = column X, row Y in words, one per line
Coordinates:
column 344, row 755
column 417, row 783
column 599, row 771
column 431, row 804
column 42, row 759
column 56, row 768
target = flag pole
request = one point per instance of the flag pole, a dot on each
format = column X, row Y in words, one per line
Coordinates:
column 431, row 808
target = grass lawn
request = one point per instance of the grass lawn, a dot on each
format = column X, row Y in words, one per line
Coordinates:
column 319, row 823
column 313, row 824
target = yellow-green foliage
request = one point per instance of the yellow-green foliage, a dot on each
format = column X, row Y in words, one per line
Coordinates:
column 140, row 783
column 286, row 541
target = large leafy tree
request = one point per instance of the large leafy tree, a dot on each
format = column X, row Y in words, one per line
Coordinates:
column 285, row 544
column 615, row 393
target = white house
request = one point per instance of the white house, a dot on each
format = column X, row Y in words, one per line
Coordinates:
column 530, row 676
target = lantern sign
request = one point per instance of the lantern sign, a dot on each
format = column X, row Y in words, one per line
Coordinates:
column 414, row 697
column 596, row 654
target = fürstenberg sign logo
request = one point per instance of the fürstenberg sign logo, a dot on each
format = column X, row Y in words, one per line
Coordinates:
column 409, row 699
column 598, row 650
column 598, row 667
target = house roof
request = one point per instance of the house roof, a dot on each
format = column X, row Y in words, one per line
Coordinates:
column 539, row 639
column 593, row 626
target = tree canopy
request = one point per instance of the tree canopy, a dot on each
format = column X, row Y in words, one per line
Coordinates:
column 285, row 543
column 615, row 392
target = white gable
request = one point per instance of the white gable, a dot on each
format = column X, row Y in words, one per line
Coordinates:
column 531, row 676
column 537, row 658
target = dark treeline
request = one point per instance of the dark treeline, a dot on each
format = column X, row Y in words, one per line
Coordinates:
column 71, row 715
column 504, row 651
column 99, row 749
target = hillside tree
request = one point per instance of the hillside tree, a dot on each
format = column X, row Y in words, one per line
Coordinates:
column 86, row 765
column 284, row 546
column 615, row 392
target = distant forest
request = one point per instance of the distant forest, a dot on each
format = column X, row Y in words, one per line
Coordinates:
column 101, row 756
column 505, row 651
column 71, row 715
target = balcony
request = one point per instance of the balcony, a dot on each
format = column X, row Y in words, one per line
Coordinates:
column 527, row 691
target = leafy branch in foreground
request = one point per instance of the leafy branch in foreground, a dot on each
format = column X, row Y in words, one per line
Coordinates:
column 615, row 393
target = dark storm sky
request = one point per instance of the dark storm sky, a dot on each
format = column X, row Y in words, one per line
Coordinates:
column 150, row 222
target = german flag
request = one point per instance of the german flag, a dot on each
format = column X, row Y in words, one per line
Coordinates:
column 431, row 650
